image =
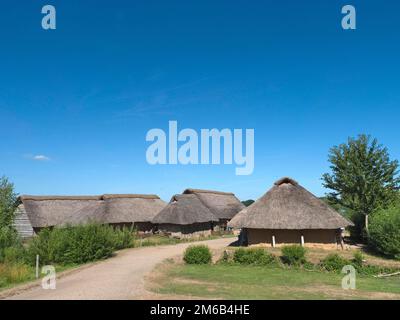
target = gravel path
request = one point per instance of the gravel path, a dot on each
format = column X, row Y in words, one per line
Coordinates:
column 120, row 277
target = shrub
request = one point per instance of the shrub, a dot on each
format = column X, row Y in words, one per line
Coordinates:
column 309, row 266
column 124, row 238
column 384, row 232
column 77, row 244
column 256, row 256
column 199, row 254
column 334, row 262
column 358, row 258
column 39, row 245
column 14, row 255
column 8, row 238
column 294, row 255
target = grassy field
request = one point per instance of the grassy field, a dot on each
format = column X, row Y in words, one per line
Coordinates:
column 248, row 282
column 216, row 281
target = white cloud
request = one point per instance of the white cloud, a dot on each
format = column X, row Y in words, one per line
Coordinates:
column 39, row 157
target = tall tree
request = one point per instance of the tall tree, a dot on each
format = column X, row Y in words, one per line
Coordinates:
column 363, row 178
column 8, row 201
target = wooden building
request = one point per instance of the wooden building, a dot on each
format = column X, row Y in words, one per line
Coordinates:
column 289, row 214
column 185, row 217
column 223, row 205
column 37, row 212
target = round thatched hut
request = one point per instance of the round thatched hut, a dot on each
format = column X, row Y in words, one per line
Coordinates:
column 185, row 216
column 289, row 214
column 223, row 205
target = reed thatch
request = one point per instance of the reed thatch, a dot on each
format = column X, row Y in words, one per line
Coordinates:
column 287, row 205
column 184, row 209
column 224, row 205
column 49, row 211
column 132, row 208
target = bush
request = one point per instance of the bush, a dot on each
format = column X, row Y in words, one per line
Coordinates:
column 294, row 255
column 199, row 254
column 256, row 256
column 14, row 255
column 384, row 232
column 8, row 238
column 358, row 258
column 334, row 262
column 124, row 238
column 39, row 245
column 78, row 244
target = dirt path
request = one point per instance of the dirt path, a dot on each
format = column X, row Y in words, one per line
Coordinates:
column 120, row 277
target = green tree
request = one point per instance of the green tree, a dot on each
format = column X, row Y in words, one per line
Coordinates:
column 384, row 233
column 8, row 201
column 363, row 178
column 248, row 202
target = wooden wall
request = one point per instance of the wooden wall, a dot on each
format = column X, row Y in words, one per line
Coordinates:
column 22, row 223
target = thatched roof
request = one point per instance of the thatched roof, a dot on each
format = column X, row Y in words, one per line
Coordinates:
column 47, row 211
column 43, row 198
column 184, row 209
column 287, row 205
column 132, row 208
column 224, row 205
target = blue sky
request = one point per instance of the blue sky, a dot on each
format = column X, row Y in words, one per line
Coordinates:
column 86, row 94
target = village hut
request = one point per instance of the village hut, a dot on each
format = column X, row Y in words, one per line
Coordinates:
column 37, row 212
column 184, row 217
column 136, row 210
column 224, row 205
column 289, row 214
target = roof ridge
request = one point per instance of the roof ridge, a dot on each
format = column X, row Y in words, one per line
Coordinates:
column 129, row 195
column 191, row 191
column 52, row 197
column 86, row 197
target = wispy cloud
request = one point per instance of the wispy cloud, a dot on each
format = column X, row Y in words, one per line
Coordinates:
column 38, row 157
column 161, row 102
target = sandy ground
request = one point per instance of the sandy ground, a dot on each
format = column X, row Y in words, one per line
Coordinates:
column 120, row 277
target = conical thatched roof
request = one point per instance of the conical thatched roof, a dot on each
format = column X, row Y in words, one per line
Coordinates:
column 47, row 211
column 184, row 209
column 224, row 205
column 287, row 205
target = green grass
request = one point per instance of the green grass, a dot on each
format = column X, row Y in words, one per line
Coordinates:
column 15, row 274
column 157, row 240
column 250, row 282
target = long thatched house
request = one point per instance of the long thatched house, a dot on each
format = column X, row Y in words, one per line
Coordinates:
column 224, row 205
column 37, row 212
column 185, row 216
column 289, row 214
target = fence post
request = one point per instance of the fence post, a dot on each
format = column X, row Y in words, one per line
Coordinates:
column 37, row 266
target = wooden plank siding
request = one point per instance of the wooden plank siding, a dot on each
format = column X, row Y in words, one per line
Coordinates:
column 22, row 223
